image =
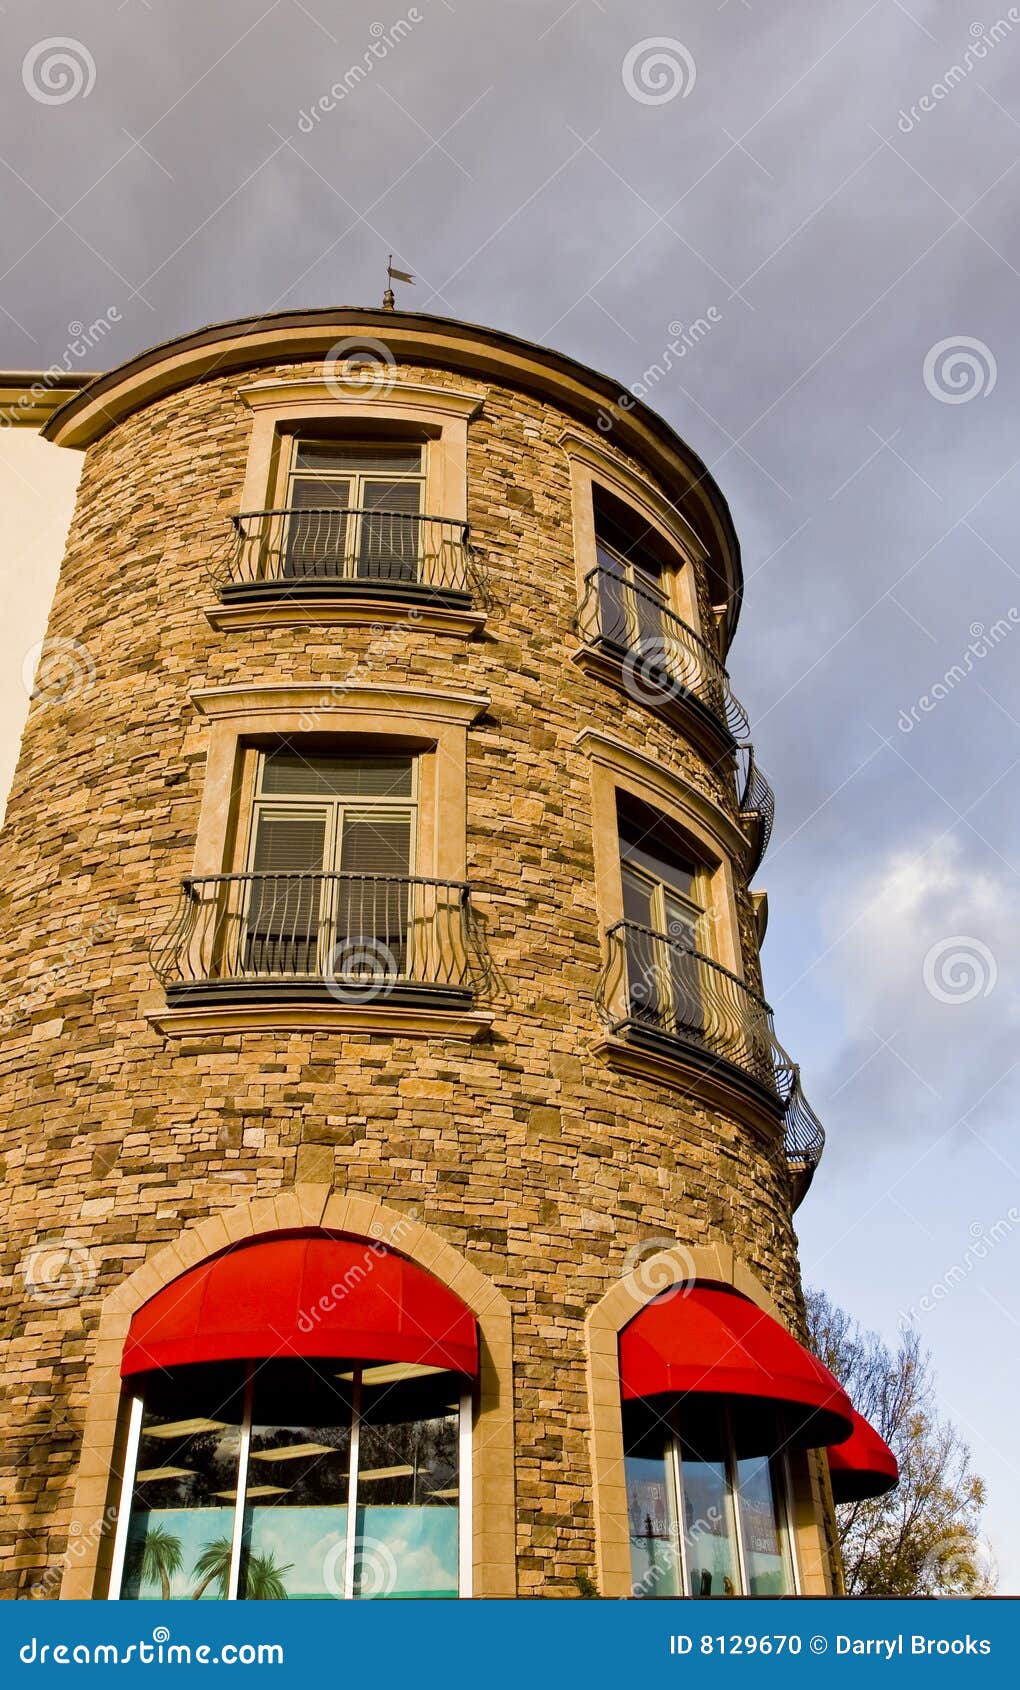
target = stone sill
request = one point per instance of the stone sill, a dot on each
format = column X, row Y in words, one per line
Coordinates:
column 405, row 1020
column 716, row 1086
column 346, row 612
column 682, row 710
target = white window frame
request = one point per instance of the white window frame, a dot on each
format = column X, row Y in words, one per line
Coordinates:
column 779, row 1479
column 465, row 1499
column 290, row 473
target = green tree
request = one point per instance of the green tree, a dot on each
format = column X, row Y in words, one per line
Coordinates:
column 263, row 1579
column 213, row 1567
column 157, row 1557
column 923, row 1537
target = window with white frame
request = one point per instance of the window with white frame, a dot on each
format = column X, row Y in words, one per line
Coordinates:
column 293, row 1478
column 330, row 855
column 353, row 512
column 707, row 1499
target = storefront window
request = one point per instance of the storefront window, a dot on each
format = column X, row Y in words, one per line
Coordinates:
column 294, row 1479
column 704, row 1519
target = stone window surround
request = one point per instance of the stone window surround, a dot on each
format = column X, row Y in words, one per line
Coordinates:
column 716, row 841
column 435, row 417
column 97, row 1490
column 681, row 1266
column 434, row 724
column 590, row 468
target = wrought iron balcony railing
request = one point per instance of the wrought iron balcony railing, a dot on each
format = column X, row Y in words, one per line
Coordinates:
column 657, row 990
column 756, row 801
column 662, row 658
column 351, row 937
column 302, row 552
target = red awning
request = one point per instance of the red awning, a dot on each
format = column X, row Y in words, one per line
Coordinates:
column 305, row 1295
column 862, row 1466
column 711, row 1340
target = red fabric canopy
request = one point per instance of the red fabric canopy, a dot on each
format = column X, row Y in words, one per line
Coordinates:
column 305, row 1295
column 862, row 1466
column 716, row 1341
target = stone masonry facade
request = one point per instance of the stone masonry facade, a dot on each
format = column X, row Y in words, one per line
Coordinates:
column 542, row 1165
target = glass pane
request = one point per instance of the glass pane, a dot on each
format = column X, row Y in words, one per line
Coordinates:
column 182, row 1503
column 285, row 894
column 295, row 1519
column 407, row 1527
column 333, row 457
column 708, row 1528
column 317, row 527
column 683, row 967
column 390, row 531
column 612, row 580
column 650, row 842
column 643, row 983
column 765, row 1550
column 317, row 774
column 654, row 1563
column 372, row 899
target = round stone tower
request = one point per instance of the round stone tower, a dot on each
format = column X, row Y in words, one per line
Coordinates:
column 383, row 1037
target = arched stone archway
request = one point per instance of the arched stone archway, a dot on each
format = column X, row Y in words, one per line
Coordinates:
column 676, row 1266
column 99, row 1472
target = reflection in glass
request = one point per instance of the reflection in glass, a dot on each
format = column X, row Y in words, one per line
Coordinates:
column 182, row 1502
column 653, row 1557
column 708, row 1528
column 765, row 1553
column 406, row 1534
column 295, row 1521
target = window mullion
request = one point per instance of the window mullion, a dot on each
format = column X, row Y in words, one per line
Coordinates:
column 237, row 1538
column 465, row 1520
column 126, row 1492
column 352, row 1487
column 733, row 1486
column 674, row 1464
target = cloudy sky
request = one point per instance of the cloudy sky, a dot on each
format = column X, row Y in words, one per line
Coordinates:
column 806, row 180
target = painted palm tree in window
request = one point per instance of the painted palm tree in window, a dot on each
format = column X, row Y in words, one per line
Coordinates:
column 330, row 863
column 354, row 513
column 662, row 913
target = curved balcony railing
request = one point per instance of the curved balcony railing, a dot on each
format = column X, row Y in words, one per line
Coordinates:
column 332, row 550
column 657, row 989
column 662, row 658
column 756, row 802
column 352, row 937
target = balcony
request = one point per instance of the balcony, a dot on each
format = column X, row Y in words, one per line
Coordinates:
column 659, row 994
column 328, row 561
column 632, row 633
column 756, row 802
column 300, row 938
